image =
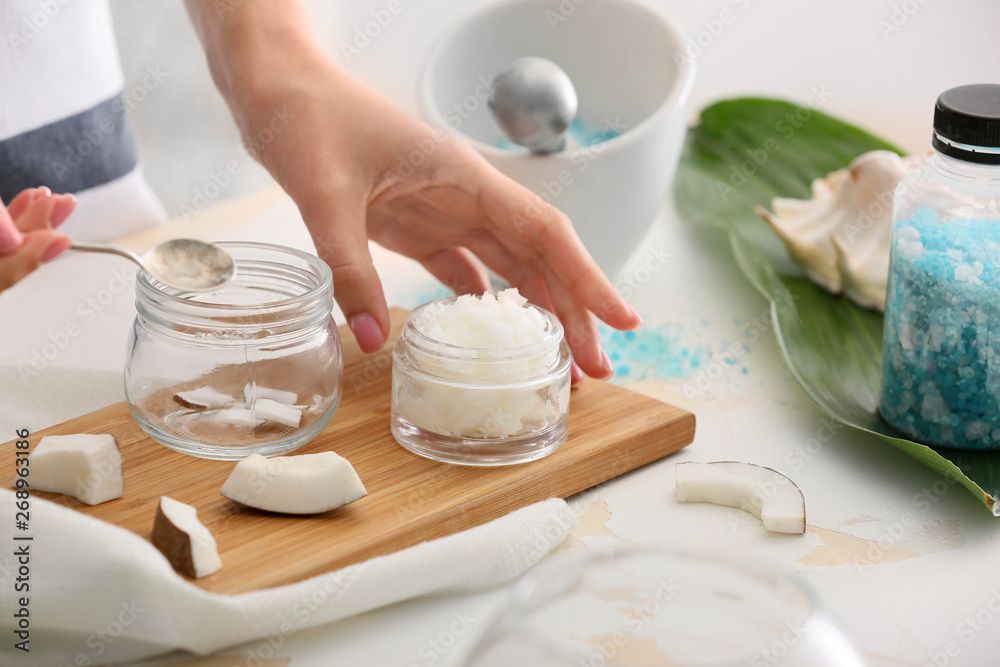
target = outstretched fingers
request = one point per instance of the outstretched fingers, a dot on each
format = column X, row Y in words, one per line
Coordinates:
column 458, row 269
column 39, row 208
column 38, row 246
column 579, row 326
column 19, row 204
column 337, row 225
column 551, row 236
column 581, row 331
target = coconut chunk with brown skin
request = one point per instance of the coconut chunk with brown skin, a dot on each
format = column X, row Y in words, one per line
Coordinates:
column 85, row 466
column 271, row 410
column 303, row 484
column 765, row 493
column 184, row 540
column 203, row 397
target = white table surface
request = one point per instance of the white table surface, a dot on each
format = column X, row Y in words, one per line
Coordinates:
column 903, row 559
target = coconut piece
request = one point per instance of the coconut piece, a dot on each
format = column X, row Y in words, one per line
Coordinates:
column 203, row 397
column 238, row 417
column 184, row 540
column 271, row 410
column 252, row 392
column 765, row 493
column 841, row 237
column 303, row 484
column 87, row 467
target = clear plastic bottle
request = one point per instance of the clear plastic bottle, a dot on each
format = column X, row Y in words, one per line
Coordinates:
column 941, row 345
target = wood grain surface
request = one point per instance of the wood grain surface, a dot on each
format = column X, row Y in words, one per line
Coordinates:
column 410, row 499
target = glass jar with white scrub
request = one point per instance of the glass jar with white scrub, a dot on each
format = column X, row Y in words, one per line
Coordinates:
column 480, row 405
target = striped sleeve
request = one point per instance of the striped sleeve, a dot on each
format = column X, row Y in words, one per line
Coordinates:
column 64, row 118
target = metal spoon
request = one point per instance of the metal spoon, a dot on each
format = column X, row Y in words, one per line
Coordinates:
column 186, row 264
column 533, row 102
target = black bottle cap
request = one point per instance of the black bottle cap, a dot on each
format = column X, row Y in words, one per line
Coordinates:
column 967, row 123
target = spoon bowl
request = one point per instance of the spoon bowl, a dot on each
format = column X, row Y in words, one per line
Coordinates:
column 186, row 264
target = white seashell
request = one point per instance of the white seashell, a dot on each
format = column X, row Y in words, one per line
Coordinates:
column 842, row 236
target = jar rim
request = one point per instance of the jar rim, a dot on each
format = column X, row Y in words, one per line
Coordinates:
column 269, row 268
column 552, row 338
column 149, row 286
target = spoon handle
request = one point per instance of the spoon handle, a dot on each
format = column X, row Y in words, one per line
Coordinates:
column 111, row 250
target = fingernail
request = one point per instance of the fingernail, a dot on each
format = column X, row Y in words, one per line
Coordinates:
column 62, row 209
column 43, row 191
column 367, row 332
column 575, row 375
column 606, row 364
column 55, row 248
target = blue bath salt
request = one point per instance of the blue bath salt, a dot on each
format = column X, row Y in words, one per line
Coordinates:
column 940, row 370
column 583, row 133
column 653, row 353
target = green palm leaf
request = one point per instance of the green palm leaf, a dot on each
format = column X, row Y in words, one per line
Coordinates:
column 745, row 152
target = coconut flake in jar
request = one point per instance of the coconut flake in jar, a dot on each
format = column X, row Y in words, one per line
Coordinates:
column 481, row 380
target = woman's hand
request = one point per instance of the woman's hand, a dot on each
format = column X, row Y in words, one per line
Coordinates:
column 27, row 237
column 361, row 169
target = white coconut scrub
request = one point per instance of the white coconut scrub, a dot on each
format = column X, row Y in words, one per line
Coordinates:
column 481, row 381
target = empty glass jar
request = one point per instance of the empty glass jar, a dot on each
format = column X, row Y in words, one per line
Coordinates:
column 252, row 368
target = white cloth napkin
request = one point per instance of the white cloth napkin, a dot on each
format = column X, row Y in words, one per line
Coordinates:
column 39, row 400
column 99, row 594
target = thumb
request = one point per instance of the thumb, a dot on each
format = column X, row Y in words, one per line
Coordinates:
column 340, row 234
column 39, row 246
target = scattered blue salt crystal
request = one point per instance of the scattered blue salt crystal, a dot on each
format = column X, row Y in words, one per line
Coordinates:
column 940, row 382
column 655, row 353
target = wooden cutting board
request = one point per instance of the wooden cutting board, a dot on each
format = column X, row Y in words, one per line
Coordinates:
column 410, row 499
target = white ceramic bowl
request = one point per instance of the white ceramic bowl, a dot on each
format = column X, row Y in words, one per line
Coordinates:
column 625, row 61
